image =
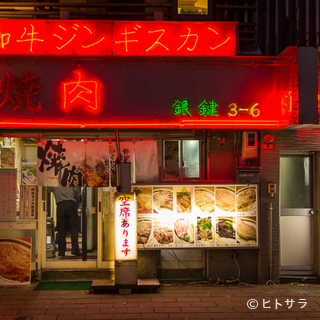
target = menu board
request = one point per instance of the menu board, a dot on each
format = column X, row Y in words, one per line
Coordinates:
column 193, row 216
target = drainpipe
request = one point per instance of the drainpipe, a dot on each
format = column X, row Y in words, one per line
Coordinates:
column 270, row 209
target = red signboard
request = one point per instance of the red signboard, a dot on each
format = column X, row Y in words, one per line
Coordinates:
column 117, row 38
column 233, row 92
column 267, row 146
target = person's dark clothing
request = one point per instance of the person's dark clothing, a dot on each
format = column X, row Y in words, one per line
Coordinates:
column 67, row 212
column 67, row 200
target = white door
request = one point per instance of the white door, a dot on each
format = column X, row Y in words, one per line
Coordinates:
column 297, row 248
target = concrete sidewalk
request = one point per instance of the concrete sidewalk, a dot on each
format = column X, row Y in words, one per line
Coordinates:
column 192, row 301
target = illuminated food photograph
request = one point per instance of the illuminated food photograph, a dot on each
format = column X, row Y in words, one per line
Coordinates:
column 204, row 198
column 246, row 199
column 144, row 230
column 184, row 230
column 144, row 199
column 225, row 198
column 29, row 174
column 225, row 230
column 246, row 230
column 7, row 156
column 95, row 170
column 204, row 229
column 15, row 261
column 162, row 232
column 162, row 200
column 183, row 201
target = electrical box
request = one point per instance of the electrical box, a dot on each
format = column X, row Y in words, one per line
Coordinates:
column 272, row 189
column 249, row 145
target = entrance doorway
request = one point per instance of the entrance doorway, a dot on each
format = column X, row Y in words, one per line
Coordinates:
column 297, row 244
column 87, row 228
column 99, row 242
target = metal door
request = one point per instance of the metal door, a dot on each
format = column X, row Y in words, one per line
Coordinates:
column 296, row 214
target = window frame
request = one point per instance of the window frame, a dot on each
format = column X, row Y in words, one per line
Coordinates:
column 180, row 148
column 192, row 17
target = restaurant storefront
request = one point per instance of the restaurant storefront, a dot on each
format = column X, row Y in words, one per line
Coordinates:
column 169, row 112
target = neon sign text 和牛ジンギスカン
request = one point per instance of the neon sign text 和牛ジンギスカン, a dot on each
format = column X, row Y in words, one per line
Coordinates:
column 210, row 108
column 117, row 38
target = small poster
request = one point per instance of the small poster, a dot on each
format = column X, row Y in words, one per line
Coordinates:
column 15, row 261
column 8, row 191
column 29, row 176
column 7, row 157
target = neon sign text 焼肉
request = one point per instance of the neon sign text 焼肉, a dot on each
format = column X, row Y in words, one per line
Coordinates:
column 80, row 93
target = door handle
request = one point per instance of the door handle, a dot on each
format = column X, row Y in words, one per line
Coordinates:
column 312, row 212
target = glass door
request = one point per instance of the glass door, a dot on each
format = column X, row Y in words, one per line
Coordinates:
column 297, row 248
column 68, row 233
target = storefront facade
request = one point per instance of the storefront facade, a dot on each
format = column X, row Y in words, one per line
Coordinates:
column 202, row 137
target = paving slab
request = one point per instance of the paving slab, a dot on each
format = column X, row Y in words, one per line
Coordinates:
column 176, row 301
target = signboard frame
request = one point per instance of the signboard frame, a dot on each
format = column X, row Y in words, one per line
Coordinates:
column 168, row 219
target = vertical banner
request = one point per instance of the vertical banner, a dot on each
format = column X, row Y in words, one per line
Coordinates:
column 97, row 164
column 8, row 191
column 48, row 162
column 15, row 261
column 125, row 227
column 32, row 202
column 23, row 202
column 73, row 161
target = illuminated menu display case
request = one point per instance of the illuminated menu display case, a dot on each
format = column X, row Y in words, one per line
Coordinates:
column 193, row 216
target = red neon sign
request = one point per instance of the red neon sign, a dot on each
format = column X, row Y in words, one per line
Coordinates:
column 81, row 93
column 17, row 93
column 118, row 38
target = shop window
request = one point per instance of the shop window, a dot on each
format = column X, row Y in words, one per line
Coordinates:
column 181, row 159
column 198, row 7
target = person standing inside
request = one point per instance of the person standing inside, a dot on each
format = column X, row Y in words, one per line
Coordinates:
column 67, row 200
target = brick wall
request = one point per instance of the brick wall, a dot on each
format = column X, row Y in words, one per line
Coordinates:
column 263, row 264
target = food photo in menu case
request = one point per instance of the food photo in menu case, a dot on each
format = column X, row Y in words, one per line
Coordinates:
column 162, row 199
column 183, row 199
column 225, row 199
column 184, row 231
column 144, row 199
column 246, row 200
column 162, row 231
column 205, row 230
column 144, row 230
column 204, row 199
column 246, row 230
column 226, row 231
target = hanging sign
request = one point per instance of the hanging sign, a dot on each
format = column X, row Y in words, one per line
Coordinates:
column 125, row 227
